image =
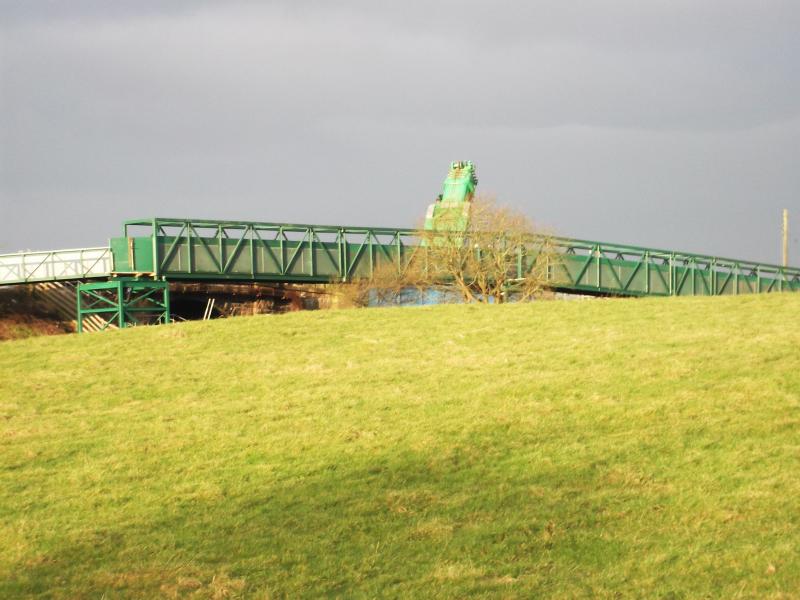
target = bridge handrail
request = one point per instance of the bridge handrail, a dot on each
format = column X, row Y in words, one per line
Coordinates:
column 574, row 243
column 718, row 261
column 291, row 227
column 53, row 265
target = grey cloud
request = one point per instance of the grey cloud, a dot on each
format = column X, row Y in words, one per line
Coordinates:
column 626, row 121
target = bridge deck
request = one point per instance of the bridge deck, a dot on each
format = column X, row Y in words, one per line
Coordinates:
column 183, row 249
column 234, row 250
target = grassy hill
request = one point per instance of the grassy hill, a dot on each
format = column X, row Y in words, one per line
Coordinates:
column 562, row 449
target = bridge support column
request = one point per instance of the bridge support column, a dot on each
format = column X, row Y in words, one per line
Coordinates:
column 123, row 302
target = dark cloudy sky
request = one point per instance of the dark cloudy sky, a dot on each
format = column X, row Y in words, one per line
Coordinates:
column 669, row 123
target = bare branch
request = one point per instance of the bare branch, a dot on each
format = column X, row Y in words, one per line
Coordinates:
column 493, row 256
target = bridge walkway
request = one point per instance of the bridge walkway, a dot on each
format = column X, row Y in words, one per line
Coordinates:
column 204, row 250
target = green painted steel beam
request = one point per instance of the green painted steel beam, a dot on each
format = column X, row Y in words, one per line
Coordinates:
column 165, row 249
column 123, row 302
column 180, row 249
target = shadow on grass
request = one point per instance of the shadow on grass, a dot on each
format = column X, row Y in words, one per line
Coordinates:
column 458, row 520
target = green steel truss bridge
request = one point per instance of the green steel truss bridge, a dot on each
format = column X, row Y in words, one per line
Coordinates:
column 163, row 249
column 174, row 249
column 127, row 283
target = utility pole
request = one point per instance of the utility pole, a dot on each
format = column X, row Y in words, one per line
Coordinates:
column 785, row 237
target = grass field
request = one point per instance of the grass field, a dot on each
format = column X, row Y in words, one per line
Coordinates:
column 633, row 448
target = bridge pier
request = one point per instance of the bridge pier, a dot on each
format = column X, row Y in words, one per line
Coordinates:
column 123, row 302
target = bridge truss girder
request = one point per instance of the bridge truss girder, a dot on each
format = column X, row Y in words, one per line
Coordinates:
column 180, row 249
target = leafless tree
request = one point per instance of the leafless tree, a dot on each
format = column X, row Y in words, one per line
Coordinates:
column 389, row 284
column 493, row 254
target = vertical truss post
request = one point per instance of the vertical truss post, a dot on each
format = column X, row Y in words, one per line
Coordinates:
column 399, row 246
column 156, row 262
column 282, row 237
column 189, row 266
column 340, row 242
column 671, row 274
column 311, row 262
column 713, row 267
column 371, row 257
column 597, row 264
column 221, row 250
column 252, row 251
